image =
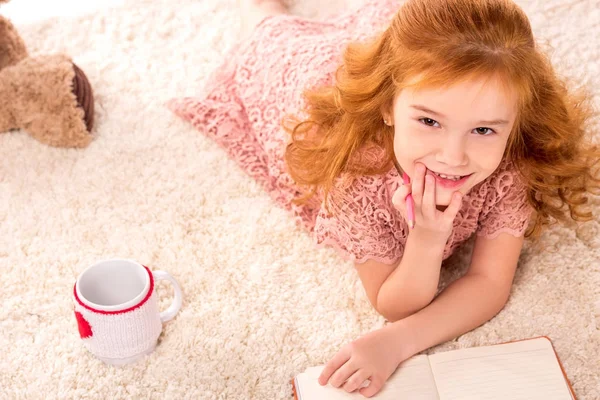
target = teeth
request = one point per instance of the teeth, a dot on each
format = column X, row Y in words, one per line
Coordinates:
column 452, row 178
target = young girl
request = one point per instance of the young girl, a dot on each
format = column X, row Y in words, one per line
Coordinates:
column 454, row 93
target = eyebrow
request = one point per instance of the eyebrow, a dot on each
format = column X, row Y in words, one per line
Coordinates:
column 427, row 110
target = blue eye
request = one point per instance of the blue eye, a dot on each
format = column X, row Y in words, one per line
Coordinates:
column 428, row 121
column 486, row 131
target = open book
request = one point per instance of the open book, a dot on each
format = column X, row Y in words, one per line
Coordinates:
column 523, row 370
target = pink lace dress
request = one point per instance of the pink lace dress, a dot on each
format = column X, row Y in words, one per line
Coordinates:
column 261, row 80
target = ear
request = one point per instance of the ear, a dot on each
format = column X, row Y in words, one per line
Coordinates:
column 387, row 113
column 12, row 47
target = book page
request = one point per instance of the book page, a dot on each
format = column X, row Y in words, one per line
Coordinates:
column 526, row 370
column 412, row 380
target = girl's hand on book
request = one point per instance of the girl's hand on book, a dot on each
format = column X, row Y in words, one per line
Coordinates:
column 428, row 219
column 366, row 359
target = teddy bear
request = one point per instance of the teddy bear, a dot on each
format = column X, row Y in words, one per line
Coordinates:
column 47, row 96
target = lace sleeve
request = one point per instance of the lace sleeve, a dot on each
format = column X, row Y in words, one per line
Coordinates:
column 506, row 208
column 359, row 221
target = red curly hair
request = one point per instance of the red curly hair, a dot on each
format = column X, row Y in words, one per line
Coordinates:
column 444, row 42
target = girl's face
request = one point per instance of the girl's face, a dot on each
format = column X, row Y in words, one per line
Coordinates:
column 459, row 132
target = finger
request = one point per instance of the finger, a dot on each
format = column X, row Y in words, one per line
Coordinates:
column 373, row 388
column 428, row 207
column 333, row 365
column 344, row 372
column 356, row 381
column 418, row 183
column 454, row 206
column 399, row 197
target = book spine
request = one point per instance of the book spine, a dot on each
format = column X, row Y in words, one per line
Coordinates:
column 294, row 390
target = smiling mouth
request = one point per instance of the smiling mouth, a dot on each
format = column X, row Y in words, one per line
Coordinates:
column 449, row 182
column 450, row 177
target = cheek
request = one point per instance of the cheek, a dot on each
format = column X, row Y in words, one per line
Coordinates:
column 409, row 143
column 487, row 156
column 404, row 149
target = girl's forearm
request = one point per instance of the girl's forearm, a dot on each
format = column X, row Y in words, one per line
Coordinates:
column 464, row 305
column 413, row 284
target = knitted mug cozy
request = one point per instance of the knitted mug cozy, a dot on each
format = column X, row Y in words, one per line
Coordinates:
column 118, row 336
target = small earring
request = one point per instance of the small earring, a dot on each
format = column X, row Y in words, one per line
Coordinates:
column 385, row 121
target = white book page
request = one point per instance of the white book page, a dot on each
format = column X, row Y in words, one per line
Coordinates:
column 525, row 370
column 412, row 380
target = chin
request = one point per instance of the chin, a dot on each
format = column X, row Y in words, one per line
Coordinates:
column 443, row 196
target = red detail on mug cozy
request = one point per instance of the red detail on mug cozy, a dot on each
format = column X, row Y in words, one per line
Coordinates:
column 132, row 308
column 85, row 330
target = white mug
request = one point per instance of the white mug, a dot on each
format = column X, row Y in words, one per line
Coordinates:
column 117, row 310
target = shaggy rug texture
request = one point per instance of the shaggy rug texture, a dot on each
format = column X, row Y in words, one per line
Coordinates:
column 261, row 303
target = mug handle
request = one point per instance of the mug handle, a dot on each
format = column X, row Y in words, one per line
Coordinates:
column 170, row 312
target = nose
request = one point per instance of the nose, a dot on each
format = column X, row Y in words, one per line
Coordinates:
column 452, row 151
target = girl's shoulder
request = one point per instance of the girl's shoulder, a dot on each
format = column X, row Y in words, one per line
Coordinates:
column 499, row 203
column 504, row 184
column 374, row 186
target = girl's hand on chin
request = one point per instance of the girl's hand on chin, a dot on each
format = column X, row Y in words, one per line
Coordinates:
column 372, row 358
column 428, row 219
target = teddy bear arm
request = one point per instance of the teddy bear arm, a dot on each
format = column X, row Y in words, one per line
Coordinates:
column 12, row 47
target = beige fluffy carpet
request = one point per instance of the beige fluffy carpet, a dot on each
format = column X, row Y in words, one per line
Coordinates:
column 261, row 303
